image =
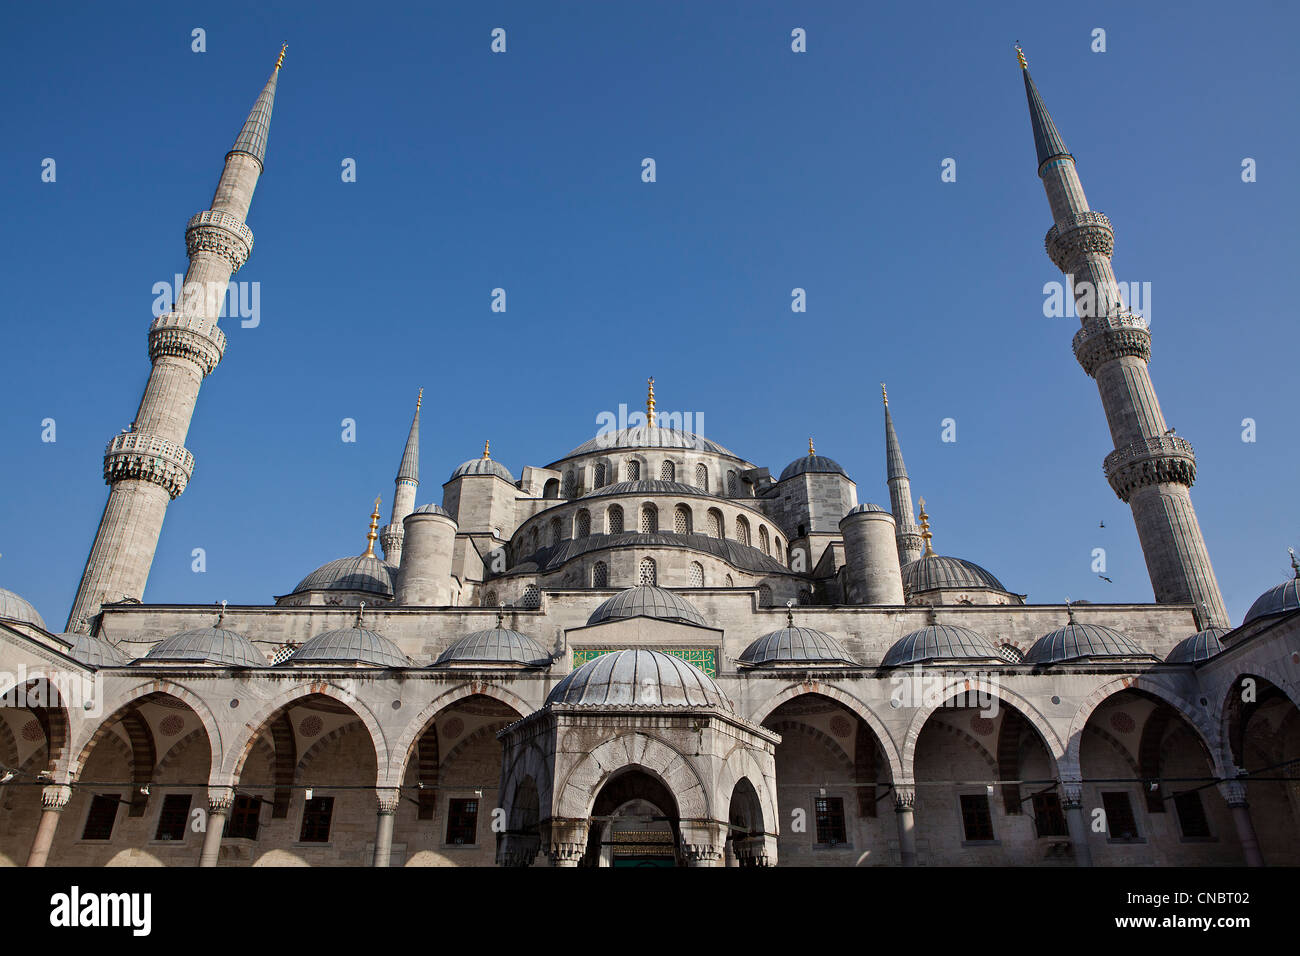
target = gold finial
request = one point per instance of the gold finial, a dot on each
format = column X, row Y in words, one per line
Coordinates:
column 884, row 394
column 487, row 448
column 1020, row 58
column 650, row 403
column 811, row 450
column 925, row 530
column 279, row 61
column 419, row 398
column 372, row 535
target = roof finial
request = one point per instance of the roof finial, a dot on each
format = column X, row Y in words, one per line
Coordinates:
column 884, row 394
column 361, row 610
column 279, row 60
column 789, row 613
column 419, row 398
column 487, row 448
column 1020, row 57
column 221, row 615
column 1294, row 565
column 925, row 529
column 372, row 535
column 650, row 403
column 1069, row 609
column 501, row 616
column 812, row 452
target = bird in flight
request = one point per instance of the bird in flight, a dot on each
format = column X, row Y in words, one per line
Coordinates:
column 1106, row 579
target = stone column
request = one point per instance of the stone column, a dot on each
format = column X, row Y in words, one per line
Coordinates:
column 905, row 806
column 53, row 801
column 565, row 841
column 388, row 798
column 1072, row 804
column 1234, row 792
column 220, row 800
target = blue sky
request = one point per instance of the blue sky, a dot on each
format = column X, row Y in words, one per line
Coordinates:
column 775, row 170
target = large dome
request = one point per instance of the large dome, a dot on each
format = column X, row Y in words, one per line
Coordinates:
column 207, row 645
column 482, row 466
column 1277, row 600
column 497, row 645
column 812, row 465
column 16, row 608
column 1201, row 646
column 933, row 571
column 1080, row 641
column 95, row 652
column 363, row 573
column 645, row 601
column 350, row 645
column 939, row 642
column 647, row 488
column 638, row 677
column 647, row 437
column 795, row 645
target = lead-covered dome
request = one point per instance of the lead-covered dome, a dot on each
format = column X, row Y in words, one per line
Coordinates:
column 1082, row 641
column 940, row 642
column 1277, row 600
column 482, row 466
column 812, row 465
column 795, row 645
column 350, row 645
column 648, row 437
column 362, row 573
column 14, row 607
column 933, row 571
column 638, row 677
column 868, row 508
column 647, row 601
column 497, row 645
column 648, row 487
column 432, row 509
column 94, row 651
column 207, row 645
column 1201, row 646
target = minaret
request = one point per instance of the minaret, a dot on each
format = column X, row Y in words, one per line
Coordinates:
column 1151, row 469
column 408, row 480
column 147, row 465
column 900, row 492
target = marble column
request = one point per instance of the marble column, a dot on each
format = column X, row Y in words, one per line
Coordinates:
column 53, row 801
column 388, row 799
column 1234, row 792
column 220, row 800
column 905, row 808
column 1072, row 804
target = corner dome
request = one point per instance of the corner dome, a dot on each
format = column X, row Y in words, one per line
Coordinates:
column 497, row 645
column 812, row 465
column 795, row 645
column 350, row 645
column 1276, row 600
column 940, row 642
column 482, row 466
column 644, row 436
column 646, row 601
column 638, row 677
column 1082, row 641
column 362, row 573
column 1201, row 646
column 14, row 607
column 95, row 652
column 432, row 509
column 933, row 571
column 867, row 507
column 207, row 645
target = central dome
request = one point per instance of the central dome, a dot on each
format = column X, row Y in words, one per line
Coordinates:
column 647, row 601
column 637, row 676
column 649, row 437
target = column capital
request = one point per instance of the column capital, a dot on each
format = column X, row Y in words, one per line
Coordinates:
column 1233, row 792
column 701, row 854
column 387, row 799
column 904, row 798
column 220, row 799
column 56, row 797
column 1071, row 794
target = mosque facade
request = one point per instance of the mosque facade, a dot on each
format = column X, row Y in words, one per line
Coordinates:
column 651, row 652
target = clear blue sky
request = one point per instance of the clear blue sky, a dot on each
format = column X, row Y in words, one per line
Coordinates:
column 522, row 171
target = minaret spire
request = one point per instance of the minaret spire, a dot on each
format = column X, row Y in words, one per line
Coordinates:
column 906, row 532
column 1151, row 468
column 148, row 465
column 408, row 481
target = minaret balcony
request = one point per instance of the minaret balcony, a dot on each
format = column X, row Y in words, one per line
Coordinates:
column 148, row 458
column 222, row 233
column 192, row 337
column 1082, row 233
column 1165, row 459
column 1108, row 337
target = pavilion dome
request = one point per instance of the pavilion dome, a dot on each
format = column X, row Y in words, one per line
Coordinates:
column 812, row 465
column 482, row 466
column 207, row 645
column 638, row 677
column 361, row 573
column 939, row 642
column 14, row 607
column 1201, row 646
column 1081, row 641
column 497, row 645
column 795, row 645
column 1277, row 600
column 94, row 651
column 647, row 601
column 350, row 645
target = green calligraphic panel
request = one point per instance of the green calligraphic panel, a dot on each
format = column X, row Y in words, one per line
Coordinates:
column 705, row 658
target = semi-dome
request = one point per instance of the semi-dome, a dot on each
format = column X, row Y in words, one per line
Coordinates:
column 350, row 645
column 207, row 645
column 647, row 601
column 94, row 651
column 648, row 437
column 482, row 466
column 795, row 645
column 638, row 677
column 362, row 573
column 1201, row 646
column 812, row 465
column 14, row 607
column 933, row 571
column 1079, row 641
column 940, row 642
column 497, row 645
column 432, row 509
column 866, row 508
column 1277, row 600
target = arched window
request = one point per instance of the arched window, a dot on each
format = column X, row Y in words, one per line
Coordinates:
column 667, row 472
column 599, row 475
column 649, row 519
column 780, row 549
column 633, row 470
column 600, row 575
column 582, row 525
column 764, row 542
column 555, row 531
column 532, row 539
column 646, row 578
column 697, row 574
column 715, row 523
column 551, row 489
column 729, row 582
column 532, row 597
column 567, row 489
column 1010, row 653
column 733, row 489
column 682, row 519
column 742, row 530
column 614, row 520
column 702, row 477
column 489, row 598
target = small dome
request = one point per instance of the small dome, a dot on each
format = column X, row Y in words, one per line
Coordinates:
column 432, row 509
column 482, row 466
column 645, row 601
column 350, row 645
column 1201, row 646
column 1277, row 600
column 1078, row 641
column 811, row 465
column 16, row 608
column 796, row 645
column 939, row 642
column 207, row 645
column 937, row 571
column 637, row 676
column 646, row 437
column 363, row 573
column 94, row 652
column 498, row 645
column 867, row 506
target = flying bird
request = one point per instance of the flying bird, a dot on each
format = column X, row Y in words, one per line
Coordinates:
column 1106, row 579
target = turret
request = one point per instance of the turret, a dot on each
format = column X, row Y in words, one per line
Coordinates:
column 425, row 575
column 408, row 480
column 871, row 570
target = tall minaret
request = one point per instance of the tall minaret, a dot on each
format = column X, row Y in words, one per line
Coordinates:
column 408, row 480
column 147, row 465
column 1151, row 468
column 900, row 492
